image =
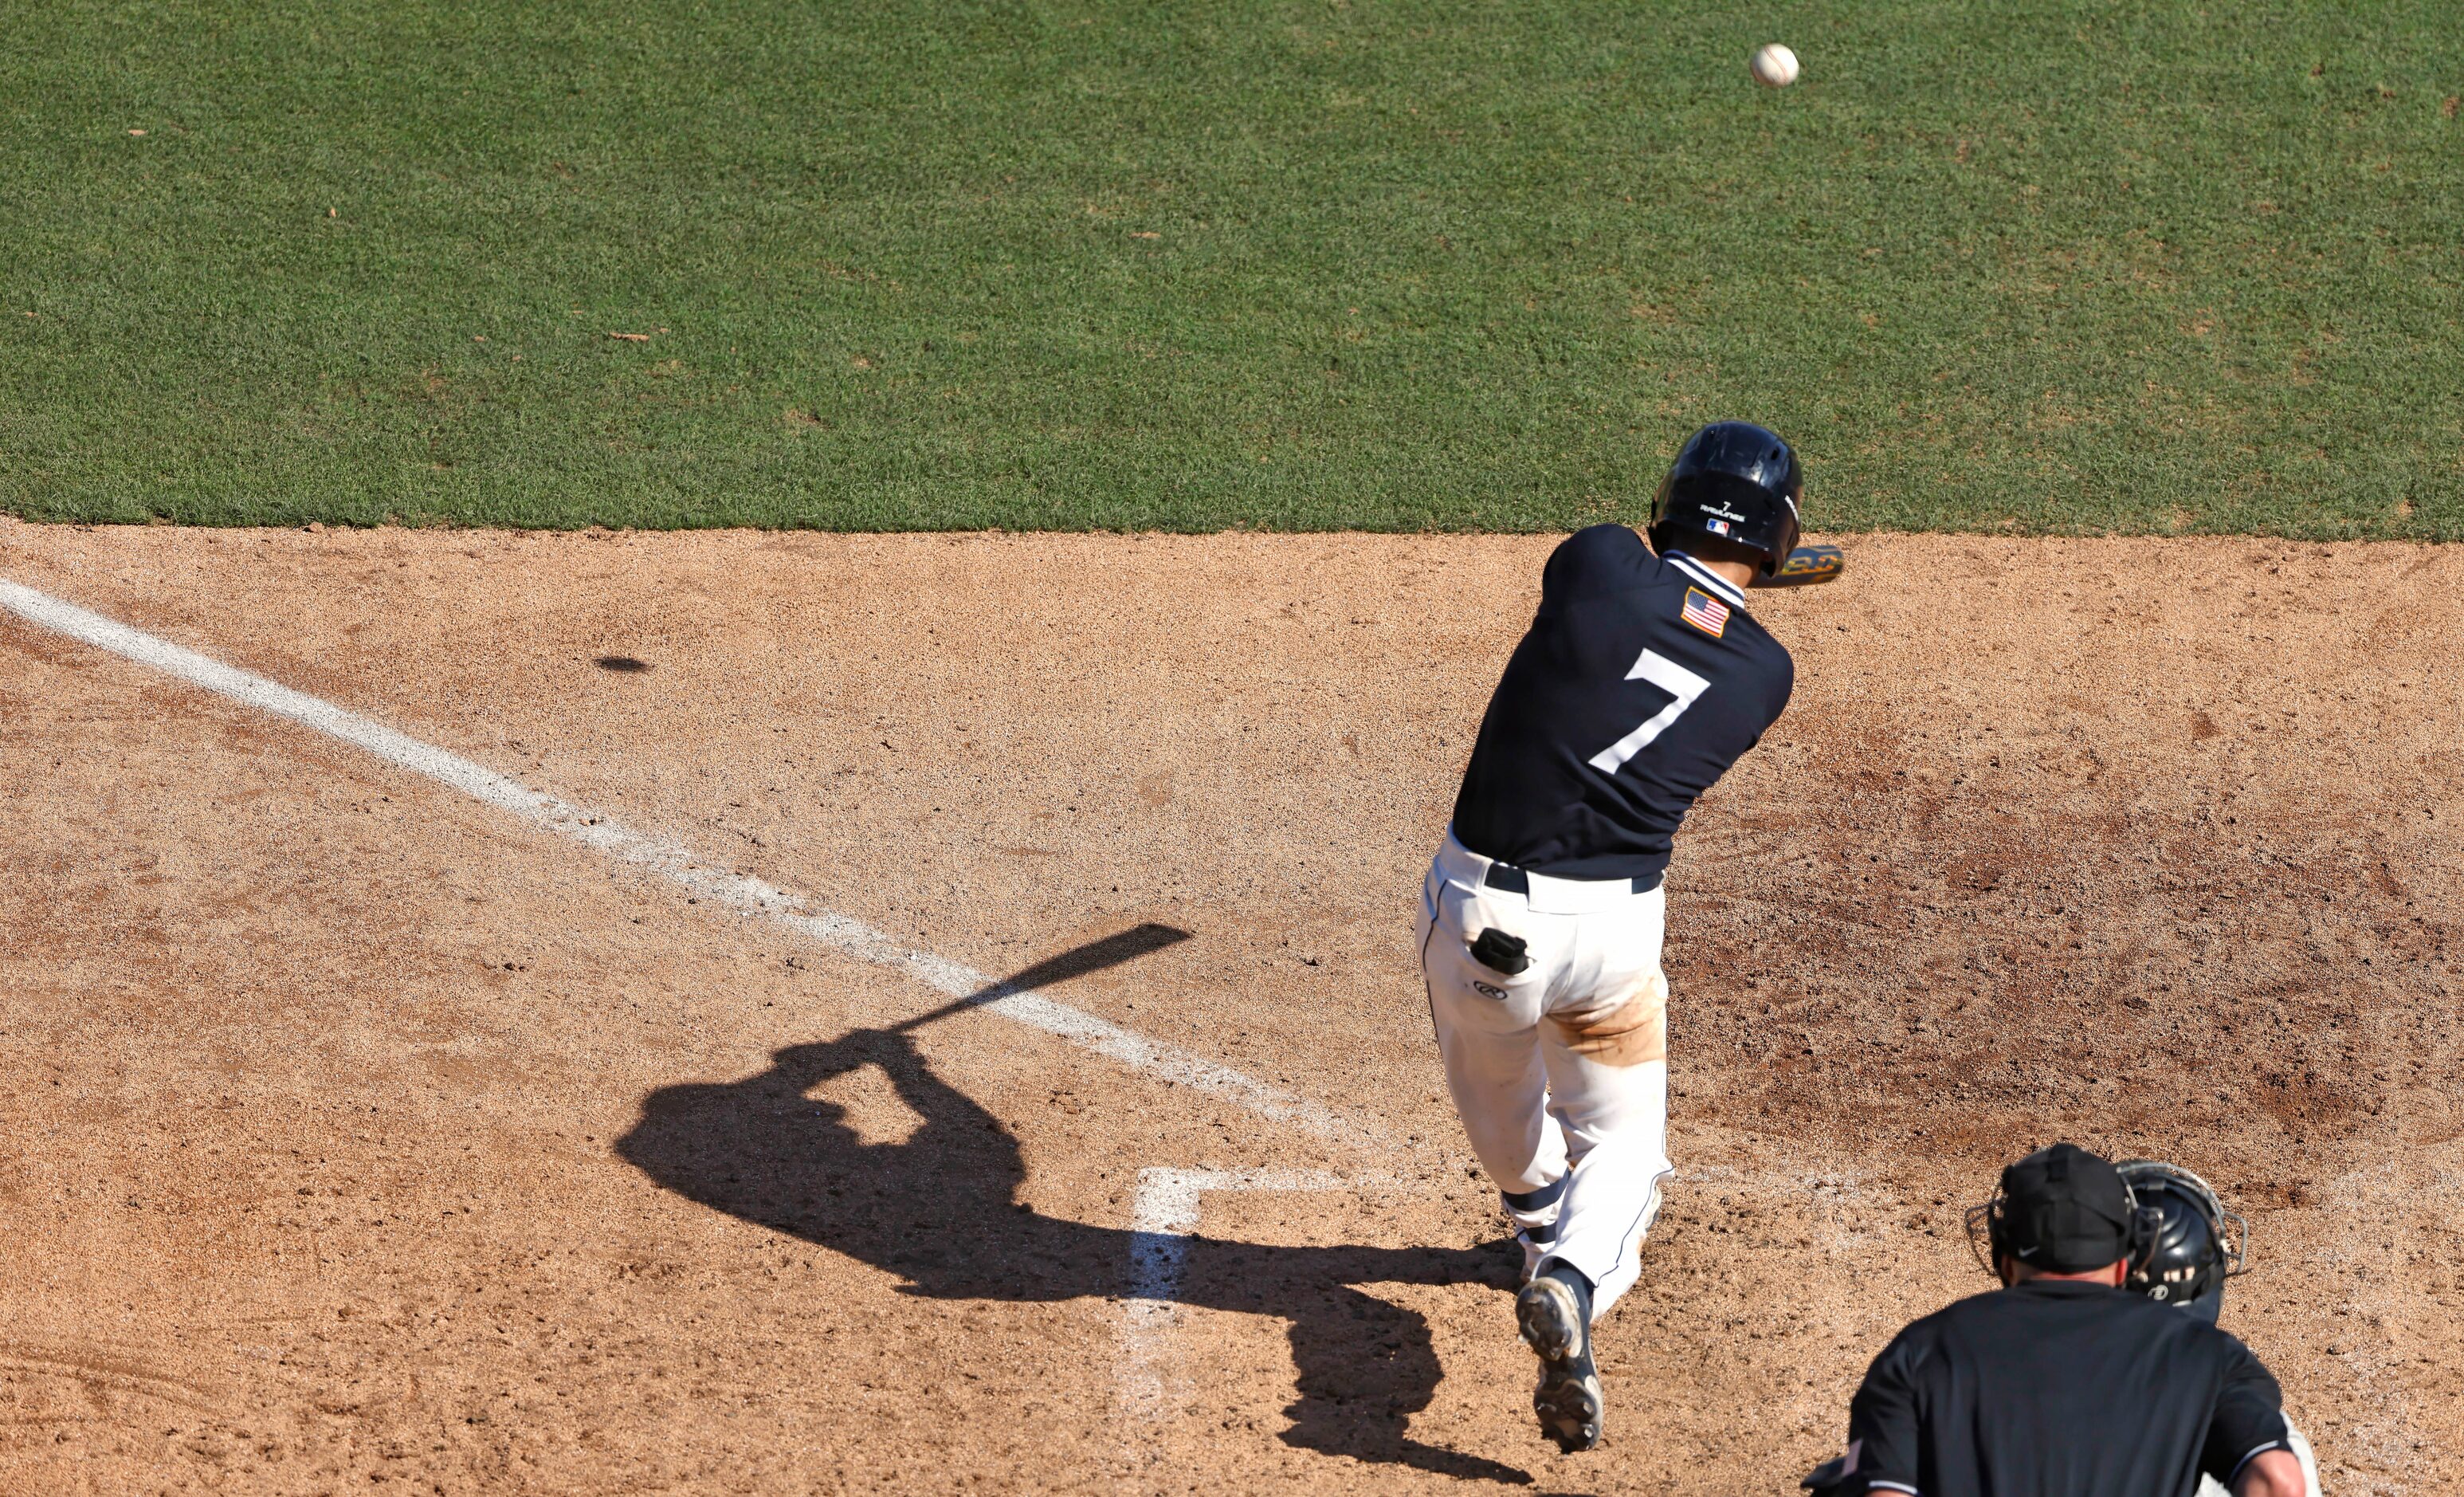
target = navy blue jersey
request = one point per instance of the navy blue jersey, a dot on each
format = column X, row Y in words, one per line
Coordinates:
column 1642, row 681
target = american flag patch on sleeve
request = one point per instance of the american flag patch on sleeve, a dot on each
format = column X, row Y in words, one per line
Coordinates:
column 1704, row 612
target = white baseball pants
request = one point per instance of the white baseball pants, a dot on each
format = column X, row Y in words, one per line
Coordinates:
column 1560, row 1072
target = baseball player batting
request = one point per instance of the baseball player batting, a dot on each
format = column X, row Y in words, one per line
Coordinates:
column 1643, row 678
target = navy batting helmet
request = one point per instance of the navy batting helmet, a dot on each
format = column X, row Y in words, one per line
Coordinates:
column 1736, row 482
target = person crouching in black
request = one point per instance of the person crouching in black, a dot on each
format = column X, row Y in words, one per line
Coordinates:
column 2064, row 1384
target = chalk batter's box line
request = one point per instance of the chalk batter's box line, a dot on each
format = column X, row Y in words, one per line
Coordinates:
column 1164, row 1212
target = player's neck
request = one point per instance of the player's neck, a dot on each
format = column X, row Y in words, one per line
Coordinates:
column 1739, row 575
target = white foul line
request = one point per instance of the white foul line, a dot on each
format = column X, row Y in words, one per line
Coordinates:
column 678, row 864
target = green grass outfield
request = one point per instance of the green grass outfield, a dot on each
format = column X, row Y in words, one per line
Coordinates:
column 1191, row 264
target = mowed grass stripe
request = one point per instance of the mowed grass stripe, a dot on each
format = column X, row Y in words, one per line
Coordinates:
column 2064, row 268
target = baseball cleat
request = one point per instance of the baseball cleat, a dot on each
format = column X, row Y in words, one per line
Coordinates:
column 1554, row 1314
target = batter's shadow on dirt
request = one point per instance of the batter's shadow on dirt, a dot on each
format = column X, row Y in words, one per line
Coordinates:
column 941, row 1210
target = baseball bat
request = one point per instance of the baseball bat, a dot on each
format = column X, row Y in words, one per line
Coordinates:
column 1805, row 566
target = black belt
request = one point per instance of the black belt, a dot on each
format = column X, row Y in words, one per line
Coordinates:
column 1515, row 881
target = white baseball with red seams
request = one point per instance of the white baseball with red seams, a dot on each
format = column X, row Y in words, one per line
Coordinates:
column 1775, row 66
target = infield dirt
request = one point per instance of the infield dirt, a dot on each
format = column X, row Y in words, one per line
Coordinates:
column 363, row 1135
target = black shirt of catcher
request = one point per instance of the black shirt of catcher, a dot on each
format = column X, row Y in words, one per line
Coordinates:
column 2058, row 1388
column 1641, row 680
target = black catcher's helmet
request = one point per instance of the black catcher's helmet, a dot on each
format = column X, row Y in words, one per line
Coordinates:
column 1735, row 480
column 2195, row 1243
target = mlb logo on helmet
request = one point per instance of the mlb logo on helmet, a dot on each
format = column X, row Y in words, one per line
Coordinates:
column 1717, row 527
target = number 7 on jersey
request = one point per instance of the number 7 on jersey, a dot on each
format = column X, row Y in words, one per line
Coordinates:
column 1670, row 677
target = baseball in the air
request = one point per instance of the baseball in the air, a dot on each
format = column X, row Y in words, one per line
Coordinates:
column 1775, row 66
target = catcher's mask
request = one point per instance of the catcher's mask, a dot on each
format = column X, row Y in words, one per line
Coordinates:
column 2063, row 1210
column 2195, row 1244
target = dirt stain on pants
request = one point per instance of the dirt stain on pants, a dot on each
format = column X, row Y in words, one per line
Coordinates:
column 1632, row 1032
